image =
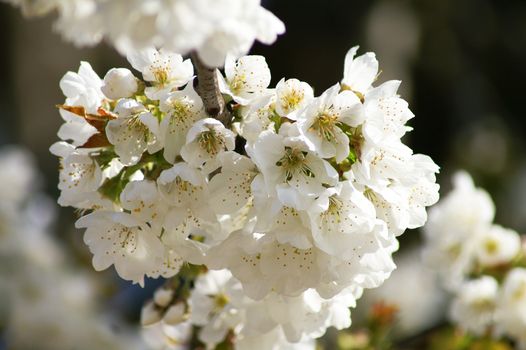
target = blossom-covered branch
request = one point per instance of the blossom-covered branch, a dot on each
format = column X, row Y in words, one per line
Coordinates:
column 303, row 219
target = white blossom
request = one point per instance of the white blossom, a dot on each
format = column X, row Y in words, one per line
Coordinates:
column 80, row 22
column 165, row 70
column 386, row 112
column 246, row 79
column 186, row 190
column 143, row 201
column 321, row 120
column 511, row 306
column 474, row 306
column 292, row 95
column 256, row 118
column 359, row 72
column 182, row 109
column 455, row 228
column 119, row 83
column 134, row 131
column 288, row 166
column 342, row 219
column 163, row 297
column 81, row 89
column 205, row 141
column 281, row 220
column 163, row 336
column 119, row 239
column 81, row 177
column 230, row 190
column 216, row 29
column 497, row 245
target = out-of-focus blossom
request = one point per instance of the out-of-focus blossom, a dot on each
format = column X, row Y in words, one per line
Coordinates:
column 212, row 28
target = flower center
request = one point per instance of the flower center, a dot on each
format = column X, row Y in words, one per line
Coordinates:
column 292, row 99
column 294, row 161
column 220, row 301
column 179, row 113
column 333, row 214
column 491, row 246
column 370, row 195
column 335, row 205
column 134, row 123
column 181, row 184
column 237, row 83
column 211, row 142
column 161, row 74
column 325, row 125
column 484, row 304
column 128, row 239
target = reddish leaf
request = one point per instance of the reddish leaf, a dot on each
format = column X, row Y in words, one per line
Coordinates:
column 97, row 140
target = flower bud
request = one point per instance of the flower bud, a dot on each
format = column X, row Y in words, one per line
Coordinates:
column 119, row 83
column 150, row 315
column 176, row 314
column 162, row 297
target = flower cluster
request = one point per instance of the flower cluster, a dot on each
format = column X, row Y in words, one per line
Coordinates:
column 217, row 308
column 480, row 262
column 300, row 198
column 212, row 28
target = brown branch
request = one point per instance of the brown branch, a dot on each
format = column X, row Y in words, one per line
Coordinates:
column 208, row 89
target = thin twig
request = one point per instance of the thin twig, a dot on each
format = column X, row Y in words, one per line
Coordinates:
column 208, row 89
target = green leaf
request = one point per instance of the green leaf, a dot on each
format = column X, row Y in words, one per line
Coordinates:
column 352, row 157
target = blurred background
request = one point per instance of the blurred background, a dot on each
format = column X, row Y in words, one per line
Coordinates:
column 461, row 63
